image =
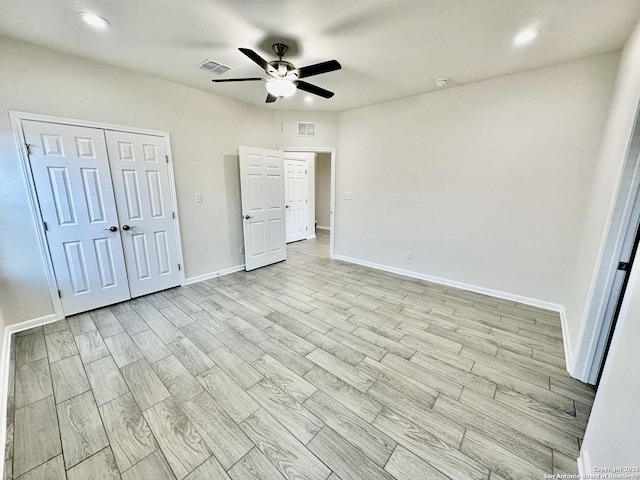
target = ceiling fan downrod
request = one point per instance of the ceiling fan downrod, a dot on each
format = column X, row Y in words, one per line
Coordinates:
column 279, row 49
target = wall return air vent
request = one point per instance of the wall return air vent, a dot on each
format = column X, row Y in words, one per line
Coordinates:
column 213, row 67
column 306, row 129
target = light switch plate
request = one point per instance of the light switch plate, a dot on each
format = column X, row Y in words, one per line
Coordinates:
column 198, row 198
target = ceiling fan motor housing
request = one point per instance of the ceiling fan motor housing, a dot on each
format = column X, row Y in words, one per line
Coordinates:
column 283, row 67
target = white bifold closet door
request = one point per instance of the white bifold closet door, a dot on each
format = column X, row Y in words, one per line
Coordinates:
column 107, row 216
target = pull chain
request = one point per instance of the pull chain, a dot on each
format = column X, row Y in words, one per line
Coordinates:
column 281, row 127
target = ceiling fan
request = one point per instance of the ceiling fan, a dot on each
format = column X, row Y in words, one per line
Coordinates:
column 283, row 78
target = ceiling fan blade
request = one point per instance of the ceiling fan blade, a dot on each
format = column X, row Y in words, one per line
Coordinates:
column 258, row 59
column 319, row 68
column 307, row 87
column 270, row 98
column 253, row 79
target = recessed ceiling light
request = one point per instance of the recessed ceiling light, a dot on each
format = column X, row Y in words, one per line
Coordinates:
column 308, row 99
column 525, row 37
column 94, row 20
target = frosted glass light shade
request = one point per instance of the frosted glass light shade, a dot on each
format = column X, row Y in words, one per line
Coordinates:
column 281, row 87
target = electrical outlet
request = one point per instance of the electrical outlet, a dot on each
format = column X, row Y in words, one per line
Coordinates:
column 198, row 198
column 409, row 255
column 346, row 196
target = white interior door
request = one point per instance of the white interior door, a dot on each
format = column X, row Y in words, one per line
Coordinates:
column 296, row 198
column 263, row 206
column 73, row 183
column 142, row 191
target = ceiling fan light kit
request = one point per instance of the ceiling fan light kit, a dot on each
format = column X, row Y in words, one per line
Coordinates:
column 281, row 87
column 283, row 78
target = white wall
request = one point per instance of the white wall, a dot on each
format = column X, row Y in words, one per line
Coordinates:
column 327, row 128
column 599, row 215
column 323, row 190
column 487, row 184
column 205, row 132
column 612, row 438
column 327, row 135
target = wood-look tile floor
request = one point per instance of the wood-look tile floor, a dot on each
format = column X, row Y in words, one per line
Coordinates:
column 308, row 369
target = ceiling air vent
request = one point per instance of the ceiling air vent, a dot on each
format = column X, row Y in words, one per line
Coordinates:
column 213, row 67
column 306, row 129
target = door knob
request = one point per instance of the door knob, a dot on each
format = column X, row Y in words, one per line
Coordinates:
column 126, row 227
column 247, row 217
column 112, row 228
column 286, row 206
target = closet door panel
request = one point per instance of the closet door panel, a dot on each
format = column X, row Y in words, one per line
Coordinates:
column 143, row 198
column 72, row 177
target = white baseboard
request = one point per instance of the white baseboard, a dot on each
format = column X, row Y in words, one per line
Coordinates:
column 311, row 237
column 584, row 465
column 33, row 323
column 485, row 291
column 463, row 286
column 320, row 227
column 208, row 276
column 566, row 343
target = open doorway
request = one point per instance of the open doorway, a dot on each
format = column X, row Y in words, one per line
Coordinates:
column 323, row 192
column 321, row 167
column 323, row 198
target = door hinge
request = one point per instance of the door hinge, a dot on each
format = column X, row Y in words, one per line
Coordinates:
column 44, row 224
column 173, row 215
column 623, row 266
column 179, row 267
column 59, row 294
column 305, row 172
column 26, row 146
column 167, row 158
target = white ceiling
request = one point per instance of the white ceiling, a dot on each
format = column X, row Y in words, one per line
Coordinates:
column 388, row 49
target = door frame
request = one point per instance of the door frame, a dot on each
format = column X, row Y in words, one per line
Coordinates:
column 332, row 223
column 16, row 118
column 586, row 366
